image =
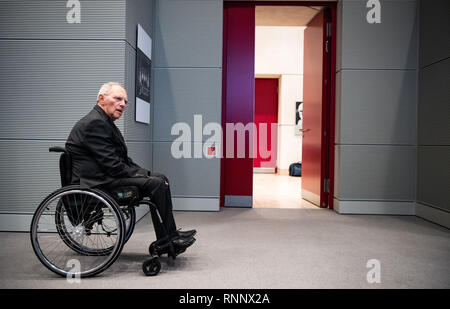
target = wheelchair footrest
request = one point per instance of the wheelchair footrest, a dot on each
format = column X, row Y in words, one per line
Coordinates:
column 164, row 245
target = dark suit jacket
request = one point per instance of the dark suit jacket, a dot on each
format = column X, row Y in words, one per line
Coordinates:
column 98, row 151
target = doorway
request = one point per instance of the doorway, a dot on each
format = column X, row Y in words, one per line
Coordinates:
column 275, row 140
column 240, row 186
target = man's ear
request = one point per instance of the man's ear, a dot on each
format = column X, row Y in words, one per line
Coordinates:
column 100, row 98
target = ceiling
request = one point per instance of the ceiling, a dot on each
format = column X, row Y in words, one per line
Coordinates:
column 285, row 15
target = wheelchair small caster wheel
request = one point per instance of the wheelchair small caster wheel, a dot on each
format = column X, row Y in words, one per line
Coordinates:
column 151, row 267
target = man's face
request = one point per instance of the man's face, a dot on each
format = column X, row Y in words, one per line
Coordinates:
column 114, row 103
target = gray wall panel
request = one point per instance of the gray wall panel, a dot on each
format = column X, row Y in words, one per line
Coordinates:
column 196, row 177
column 51, row 73
column 47, row 85
column 433, row 171
column 141, row 153
column 29, row 173
column 338, row 103
column 433, row 176
column 36, row 19
column 182, row 93
column 188, row 33
column 187, row 79
column 138, row 12
column 434, row 106
column 434, row 31
column 376, row 172
column 389, row 44
column 377, row 107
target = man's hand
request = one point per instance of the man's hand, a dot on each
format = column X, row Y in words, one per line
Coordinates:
column 164, row 180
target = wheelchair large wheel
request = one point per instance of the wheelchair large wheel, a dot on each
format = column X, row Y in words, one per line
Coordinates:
column 78, row 231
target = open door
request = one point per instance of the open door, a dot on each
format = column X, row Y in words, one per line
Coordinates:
column 316, row 102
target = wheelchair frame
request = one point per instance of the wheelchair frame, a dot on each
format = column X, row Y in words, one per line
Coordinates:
column 119, row 212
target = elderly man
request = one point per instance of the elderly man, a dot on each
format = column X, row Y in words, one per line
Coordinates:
column 99, row 159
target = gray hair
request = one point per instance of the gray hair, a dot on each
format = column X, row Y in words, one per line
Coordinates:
column 106, row 88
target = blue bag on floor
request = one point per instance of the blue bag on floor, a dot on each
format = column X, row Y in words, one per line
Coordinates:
column 295, row 169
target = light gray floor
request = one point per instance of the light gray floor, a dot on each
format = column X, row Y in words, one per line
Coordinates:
column 263, row 248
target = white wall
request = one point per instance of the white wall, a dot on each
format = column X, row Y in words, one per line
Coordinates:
column 279, row 51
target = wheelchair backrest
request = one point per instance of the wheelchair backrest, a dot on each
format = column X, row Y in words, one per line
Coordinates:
column 65, row 165
column 124, row 195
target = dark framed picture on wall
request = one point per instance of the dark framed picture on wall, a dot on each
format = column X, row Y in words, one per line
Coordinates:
column 298, row 117
column 143, row 76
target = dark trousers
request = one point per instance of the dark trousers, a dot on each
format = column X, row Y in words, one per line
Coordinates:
column 156, row 188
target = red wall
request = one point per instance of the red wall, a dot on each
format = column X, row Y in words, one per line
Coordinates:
column 266, row 111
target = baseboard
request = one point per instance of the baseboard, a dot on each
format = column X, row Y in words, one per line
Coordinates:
column 374, row 207
column 282, row 171
column 433, row 214
column 311, row 197
column 196, row 203
column 22, row 222
column 243, row 201
column 264, row 170
column 15, row 222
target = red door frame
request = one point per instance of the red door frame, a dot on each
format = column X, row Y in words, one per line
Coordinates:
column 329, row 147
column 238, row 87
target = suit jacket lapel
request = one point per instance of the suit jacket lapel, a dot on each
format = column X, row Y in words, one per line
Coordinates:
column 119, row 137
column 116, row 132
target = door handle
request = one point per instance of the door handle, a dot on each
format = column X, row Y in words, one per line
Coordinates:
column 304, row 130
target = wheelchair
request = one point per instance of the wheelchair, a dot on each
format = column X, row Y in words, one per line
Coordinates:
column 78, row 231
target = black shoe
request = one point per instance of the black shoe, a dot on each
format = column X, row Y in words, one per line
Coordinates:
column 180, row 244
column 187, row 234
